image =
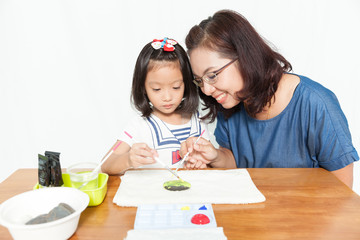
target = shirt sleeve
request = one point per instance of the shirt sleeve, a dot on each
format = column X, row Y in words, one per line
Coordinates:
column 330, row 138
column 134, row 128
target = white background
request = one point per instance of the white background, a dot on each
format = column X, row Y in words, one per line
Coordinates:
column 66, row 66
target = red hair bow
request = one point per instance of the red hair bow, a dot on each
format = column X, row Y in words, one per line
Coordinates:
column 166, row 43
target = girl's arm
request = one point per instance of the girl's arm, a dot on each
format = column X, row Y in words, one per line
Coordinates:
column 126, row 157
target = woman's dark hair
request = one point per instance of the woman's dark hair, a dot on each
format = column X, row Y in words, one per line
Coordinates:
column 232, row 36
column 146, row 60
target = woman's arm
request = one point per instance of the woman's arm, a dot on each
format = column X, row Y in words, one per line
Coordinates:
column 345, row 174
column 205, row 153
column 225, row 159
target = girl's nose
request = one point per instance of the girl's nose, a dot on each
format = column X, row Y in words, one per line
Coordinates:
column 166, row 96
column 208, row 89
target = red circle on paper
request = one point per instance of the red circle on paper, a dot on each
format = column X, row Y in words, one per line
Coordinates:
column 200, row 219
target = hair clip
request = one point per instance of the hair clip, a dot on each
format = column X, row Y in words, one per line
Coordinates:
column 165, row 43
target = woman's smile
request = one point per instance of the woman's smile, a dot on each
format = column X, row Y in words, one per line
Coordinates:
column 221, row 98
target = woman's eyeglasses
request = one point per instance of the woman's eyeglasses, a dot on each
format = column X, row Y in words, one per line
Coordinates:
column 211, row 77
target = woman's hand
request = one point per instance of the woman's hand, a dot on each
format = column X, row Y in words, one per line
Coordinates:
column 141, row 154
column 201, row 153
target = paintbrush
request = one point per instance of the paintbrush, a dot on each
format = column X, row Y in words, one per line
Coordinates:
column 187, row 154
column 167, row 167
column 157, row 159
column 100, row 164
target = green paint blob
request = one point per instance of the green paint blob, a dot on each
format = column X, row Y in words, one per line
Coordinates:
column 176, row 185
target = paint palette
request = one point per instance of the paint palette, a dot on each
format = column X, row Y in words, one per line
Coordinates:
column 164, row 216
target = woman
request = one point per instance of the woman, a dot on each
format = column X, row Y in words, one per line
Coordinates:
column 266, row 117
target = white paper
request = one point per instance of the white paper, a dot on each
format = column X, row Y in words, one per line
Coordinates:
column 177, row 234
column 232, row 186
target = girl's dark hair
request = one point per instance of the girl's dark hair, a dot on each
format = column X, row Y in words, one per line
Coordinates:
column 159, row 56
column 232, row 36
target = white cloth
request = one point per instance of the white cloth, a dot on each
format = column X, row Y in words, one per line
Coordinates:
column 232, row 186
column 157, row 135
column 177, row 234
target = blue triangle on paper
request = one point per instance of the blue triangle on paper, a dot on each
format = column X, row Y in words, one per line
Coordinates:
column 203, row 208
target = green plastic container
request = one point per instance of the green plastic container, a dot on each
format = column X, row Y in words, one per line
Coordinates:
column 96, row 195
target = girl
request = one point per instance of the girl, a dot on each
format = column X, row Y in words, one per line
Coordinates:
column 163, row 92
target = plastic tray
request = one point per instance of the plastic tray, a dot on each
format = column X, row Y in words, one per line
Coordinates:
column 96, row 195
column 162, row 216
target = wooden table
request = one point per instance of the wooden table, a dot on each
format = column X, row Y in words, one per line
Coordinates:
column 300, row 204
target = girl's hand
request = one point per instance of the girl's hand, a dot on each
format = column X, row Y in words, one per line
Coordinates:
column 193, row 164
column 141, row 154
column 201, row 153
